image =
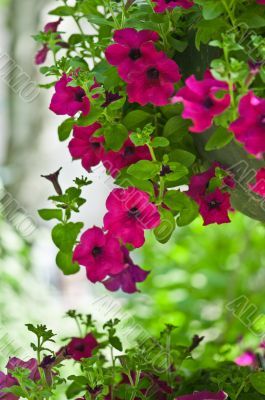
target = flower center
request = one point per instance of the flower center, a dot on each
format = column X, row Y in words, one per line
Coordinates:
column 129, row 151
column 135, row 54
column 169, row 1
column 79, row 94
column 80, row 347
column 208, row 103
column 165, row 170
column 152, row 73
column 134, row 212
column 97, row 251
column 214, row 204
column 262, row 120
column 95, row 145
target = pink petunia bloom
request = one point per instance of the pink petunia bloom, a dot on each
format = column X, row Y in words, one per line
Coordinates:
column 153, row 81
column 127, row 279
column 68, row 100
column 80, row 348
column 204, row 396
column 249, row 128
column 31, row 364
column 259, row 186
column 163, row 5
column 129, row 154
column 199, row 183
column 129, row 214
column 261, row 2
column 100, row 253
column 246, row 359
column 7, row 381
column 200, row 102
column 214, row 207
column 129, row 49
column 85, row 146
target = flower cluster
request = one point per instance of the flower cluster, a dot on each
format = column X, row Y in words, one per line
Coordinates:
column 150, row 74
column 214, row 203
column 103, row 252
column 163, row 5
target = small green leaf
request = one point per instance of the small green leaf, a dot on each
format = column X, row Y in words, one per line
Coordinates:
column 220, row 138
column 258, row 381
column 64, row 236
column 65, row 263
column 136, row 119
column 183, row 157
column 115, row 136
column 63, row 11
column 144, row 169
column 65, row 129
column 160, row 142
column 115, row 342
column 164, row 231
column 48, row 214
column 90, row 118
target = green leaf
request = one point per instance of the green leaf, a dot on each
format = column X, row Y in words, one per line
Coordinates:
column 182, row 156
column 117, row 105
column 178, row 171
column 164, row 231
column 115, row 342
column 187, row 208
column 65, row 129
column 258, row 381
column 64, row 235
column 136, row 119
column 63, row 11
column 176, row 126
column 65, row 263
column 252, row 17
column 144, row 169
column 160, row 142
column 220, row 138
column 212, row 9
column 48, row 214
column 115, row 136
column 90, row 118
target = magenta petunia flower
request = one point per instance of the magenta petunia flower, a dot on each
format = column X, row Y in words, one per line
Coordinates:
column 127, row 279
column 199, row 183
column 259, row 186
column 153, row 81
column 214, row 207
column 204, row 396
column 246, row 359
column 249, row 128
column 100, row 253
column 130, row 212
column 7, row 381
column 86, row 147
column 200, row 102
column 31, row 364
column 129, row 49
column 261, row 2
column 129, row 154
column 68, row 100
column 163, row 5
column 80, row 348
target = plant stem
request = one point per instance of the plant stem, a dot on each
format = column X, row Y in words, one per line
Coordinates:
column 229, row 12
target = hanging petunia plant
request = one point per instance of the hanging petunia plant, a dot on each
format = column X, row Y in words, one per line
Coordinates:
column 169, row 97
